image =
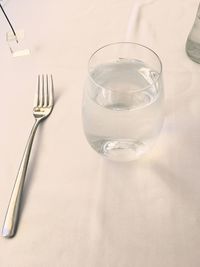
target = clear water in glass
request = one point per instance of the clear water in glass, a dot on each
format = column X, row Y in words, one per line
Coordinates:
column 121, row 122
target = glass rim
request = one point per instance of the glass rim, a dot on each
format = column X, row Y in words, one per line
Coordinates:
column 133, row 43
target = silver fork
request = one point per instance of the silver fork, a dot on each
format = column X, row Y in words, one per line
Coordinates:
column 43, row 106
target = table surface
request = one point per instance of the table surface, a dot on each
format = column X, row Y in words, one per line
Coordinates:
column 78, row 209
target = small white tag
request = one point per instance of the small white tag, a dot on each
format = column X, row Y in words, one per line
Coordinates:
column 16, row 43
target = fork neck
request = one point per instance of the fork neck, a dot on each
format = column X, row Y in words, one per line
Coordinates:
column 37, row 121
column 35, row 125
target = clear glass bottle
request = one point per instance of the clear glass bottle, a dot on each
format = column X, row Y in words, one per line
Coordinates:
column 193, row 40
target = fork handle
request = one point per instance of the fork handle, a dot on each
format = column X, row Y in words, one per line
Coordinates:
column 12, row 214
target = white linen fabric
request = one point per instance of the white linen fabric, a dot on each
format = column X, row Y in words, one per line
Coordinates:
column 80, row 210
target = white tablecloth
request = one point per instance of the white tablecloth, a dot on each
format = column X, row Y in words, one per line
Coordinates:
column 80, row 210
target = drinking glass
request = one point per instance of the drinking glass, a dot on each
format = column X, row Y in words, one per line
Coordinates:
column 122, row 108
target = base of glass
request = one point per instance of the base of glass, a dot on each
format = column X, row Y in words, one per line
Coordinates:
column 121, row 149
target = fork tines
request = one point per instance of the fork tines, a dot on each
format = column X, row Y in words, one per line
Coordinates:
column 45, row 90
